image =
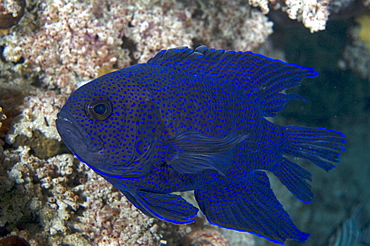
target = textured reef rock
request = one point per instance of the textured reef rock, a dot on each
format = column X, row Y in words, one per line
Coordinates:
column 205, row 236
column 312, row 13
column 66, row 196
column 75, row 41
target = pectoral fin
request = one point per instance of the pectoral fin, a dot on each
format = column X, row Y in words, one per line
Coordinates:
column 195, row 152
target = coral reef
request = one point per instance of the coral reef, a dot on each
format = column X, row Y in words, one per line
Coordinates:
column 35, row 126
column 152, row 34
column 72, row 41
column 110, row 218
column 218, row 17
column 65, row 194
column 206, row 236
column 312, row 13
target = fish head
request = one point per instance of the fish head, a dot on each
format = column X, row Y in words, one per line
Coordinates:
column 111, row 124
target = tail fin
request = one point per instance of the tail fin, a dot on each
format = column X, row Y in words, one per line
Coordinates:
column 248, row 205
column 319, row 146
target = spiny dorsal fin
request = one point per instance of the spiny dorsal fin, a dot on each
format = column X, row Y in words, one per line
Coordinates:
column 258, row 76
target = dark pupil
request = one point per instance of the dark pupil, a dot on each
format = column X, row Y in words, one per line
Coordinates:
column 100, row 108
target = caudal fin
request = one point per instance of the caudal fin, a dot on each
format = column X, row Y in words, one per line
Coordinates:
column 319, row 146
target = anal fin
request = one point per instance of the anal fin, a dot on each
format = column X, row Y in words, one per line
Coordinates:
column 248, row 205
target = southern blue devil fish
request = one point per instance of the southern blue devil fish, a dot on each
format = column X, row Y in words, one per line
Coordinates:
column 194, row 119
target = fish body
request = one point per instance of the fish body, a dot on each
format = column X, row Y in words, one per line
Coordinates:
column 194, row 119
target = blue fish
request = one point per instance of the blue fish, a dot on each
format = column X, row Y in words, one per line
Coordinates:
column 194, row 119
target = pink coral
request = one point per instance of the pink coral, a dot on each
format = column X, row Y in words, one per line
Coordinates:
column 312, row 13
column 110, row 219
column 72, row 44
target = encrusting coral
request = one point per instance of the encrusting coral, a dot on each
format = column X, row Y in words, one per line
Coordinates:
column 65, row 194
column 312, row 13
column 73, row 40
column 206, row 236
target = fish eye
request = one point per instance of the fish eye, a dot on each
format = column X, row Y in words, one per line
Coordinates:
column 99, row 109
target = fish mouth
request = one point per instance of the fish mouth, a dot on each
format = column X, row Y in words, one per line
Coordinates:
column 74, row 136
column 90, row 150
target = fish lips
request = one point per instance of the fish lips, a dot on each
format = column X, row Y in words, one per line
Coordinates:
column 91, row 150
column 74, row 137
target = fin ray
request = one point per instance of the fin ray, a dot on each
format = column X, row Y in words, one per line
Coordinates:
column 258, row 76
column 248, row 205
column 320, row 146
column 195, row 152
column 282, row 144
column 317, row 145
column 169, row 207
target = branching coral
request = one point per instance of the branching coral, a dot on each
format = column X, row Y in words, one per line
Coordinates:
column 233, row 25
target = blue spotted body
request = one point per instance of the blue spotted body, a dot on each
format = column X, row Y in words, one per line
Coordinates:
column 195, row 120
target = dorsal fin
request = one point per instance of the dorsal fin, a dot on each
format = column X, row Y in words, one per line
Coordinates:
column 258, row 76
